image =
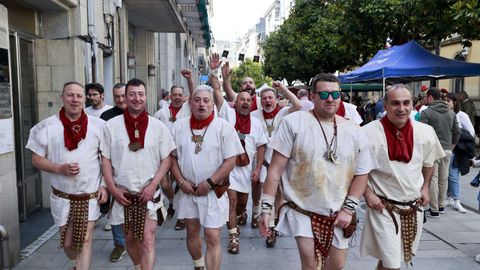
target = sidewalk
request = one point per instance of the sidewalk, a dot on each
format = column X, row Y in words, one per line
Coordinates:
column 450, row 242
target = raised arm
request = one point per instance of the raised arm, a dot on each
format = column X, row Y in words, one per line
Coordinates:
column 296, row 104
column 227, row 84
column 217, row 93
column 187, row 74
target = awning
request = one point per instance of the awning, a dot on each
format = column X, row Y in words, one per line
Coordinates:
column 361, row 87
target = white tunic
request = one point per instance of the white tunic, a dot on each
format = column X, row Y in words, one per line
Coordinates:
column 220, row 142
column 134, row 170
column 165, row 115
column 240, row 177
column 309, row 180
column 46, row 140
column 97, row 112
column 397, row 181
column 352, row 113
column 275, row 122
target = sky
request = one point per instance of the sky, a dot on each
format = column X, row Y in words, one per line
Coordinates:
column 233, row 18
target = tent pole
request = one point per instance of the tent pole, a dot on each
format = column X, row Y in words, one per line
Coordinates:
column 383, row 89
column 351, row 92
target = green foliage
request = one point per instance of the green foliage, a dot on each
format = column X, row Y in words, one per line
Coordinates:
column 325, row 36
column 249, row 69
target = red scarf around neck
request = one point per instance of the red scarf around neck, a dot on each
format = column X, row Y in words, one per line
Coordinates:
column 174, row 111
column 399, row 141
column 242, row 123
column 341, row 109
column 73, row 131
column 140, row 123
column 272, row 114
column 200, row 124
column 253, row 106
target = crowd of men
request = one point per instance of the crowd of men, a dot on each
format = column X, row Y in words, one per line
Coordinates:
column 305, row 165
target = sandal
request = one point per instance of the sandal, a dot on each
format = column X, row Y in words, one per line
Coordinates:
column 233, row 245
column 180, row 225
column 170, row 212
column 254, row 222
column 242, row 219
column 272, row 239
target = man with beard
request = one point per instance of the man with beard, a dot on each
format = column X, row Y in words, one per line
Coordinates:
column 136, row 156
column 406, row 151
column 96, row 97
column 270, row 116
column 322, row 161
column 253, row 139
column 117, row 232
column 65, row 146
column 206, row 153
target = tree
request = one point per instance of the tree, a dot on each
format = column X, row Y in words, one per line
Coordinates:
column 250, row 69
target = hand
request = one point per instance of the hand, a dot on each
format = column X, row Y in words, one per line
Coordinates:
column 263, row 225
column 215, row 61
column 226, row 71
column 102, row 195
column 186, row 73
column 374, row 202
column 202, row 189
column 425, row 196
column 69, row 169
column 277, row 85
column 119, row 196
column 214, row 82
column 256, row 174
column 343, row 219
column 187, row 187
column 147, row 193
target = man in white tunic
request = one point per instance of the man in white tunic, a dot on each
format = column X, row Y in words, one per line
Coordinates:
column 253, row 139
column 325, row 162
column 406, row 151
column 65, row 147
column 206, row 153
column 136, row 156
column 270, row 115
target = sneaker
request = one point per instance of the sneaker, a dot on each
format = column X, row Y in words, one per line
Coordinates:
column 477, row 258
column 441, row 210
column 117, row 253
column 180, row 225
column 431, row 214
column 458, row 206
column 449, row 201
column 107, row 227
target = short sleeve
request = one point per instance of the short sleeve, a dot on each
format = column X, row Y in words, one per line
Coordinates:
column 227, row 114
column 166, row 144
column 366, row 158
column 261, row 135
column 283, row 139
column 105, row 144
column 230, row 141
column 37, row 140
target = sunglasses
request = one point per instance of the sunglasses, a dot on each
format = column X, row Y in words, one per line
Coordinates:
column 324, row 94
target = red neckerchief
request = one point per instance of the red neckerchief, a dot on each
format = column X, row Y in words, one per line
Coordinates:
column 272, row 114
column 140, row 123
column 254, row 107
column 73, row 131
column 399, row 141
column 341, row 109
column 200, row 124
column 242, row 123
column 174, row 110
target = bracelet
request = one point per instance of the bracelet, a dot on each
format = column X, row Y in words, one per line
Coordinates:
column 350, row 204
column 210, row 183
column 214, row 72
column 267, row 202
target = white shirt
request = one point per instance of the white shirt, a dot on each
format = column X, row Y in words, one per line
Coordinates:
column 309, row 180
column 46, row 140
column 165, row 115
column 133, row 170
column 97, row 112
column 352, row 113
column 163, row 104
column 465, row 123
column 307, row 105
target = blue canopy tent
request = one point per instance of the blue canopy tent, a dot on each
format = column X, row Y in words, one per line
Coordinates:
column 409, row 62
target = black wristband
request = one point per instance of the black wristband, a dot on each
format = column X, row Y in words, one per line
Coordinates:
column 210, row 182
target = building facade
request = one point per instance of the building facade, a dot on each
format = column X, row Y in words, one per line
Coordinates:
column 45, row 43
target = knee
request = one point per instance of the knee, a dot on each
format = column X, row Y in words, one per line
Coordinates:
column 212, row 239
column 148, row 242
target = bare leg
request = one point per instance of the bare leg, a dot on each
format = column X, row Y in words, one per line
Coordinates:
column 380, row 267
column 307, row 255
column 213, row 255
column 242, row 199
column 256, row 193
column 134, row 247
column 84, row 256
column 336, row 259
column 194, row 242
column 147, row 260
column 232, row 216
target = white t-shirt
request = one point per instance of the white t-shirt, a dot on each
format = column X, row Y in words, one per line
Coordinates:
column 464, row 122
column 133, row 170
column 254, row 139
column 309, row 180
column 97, row 112
column 46, row 140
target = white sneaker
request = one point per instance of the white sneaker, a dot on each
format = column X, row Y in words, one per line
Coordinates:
column 458, row 206
column 477, row 258
column 449, row 201
column 107, row 226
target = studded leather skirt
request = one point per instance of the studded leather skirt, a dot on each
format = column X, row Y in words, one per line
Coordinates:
column 78, row 215
column 135, row 216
